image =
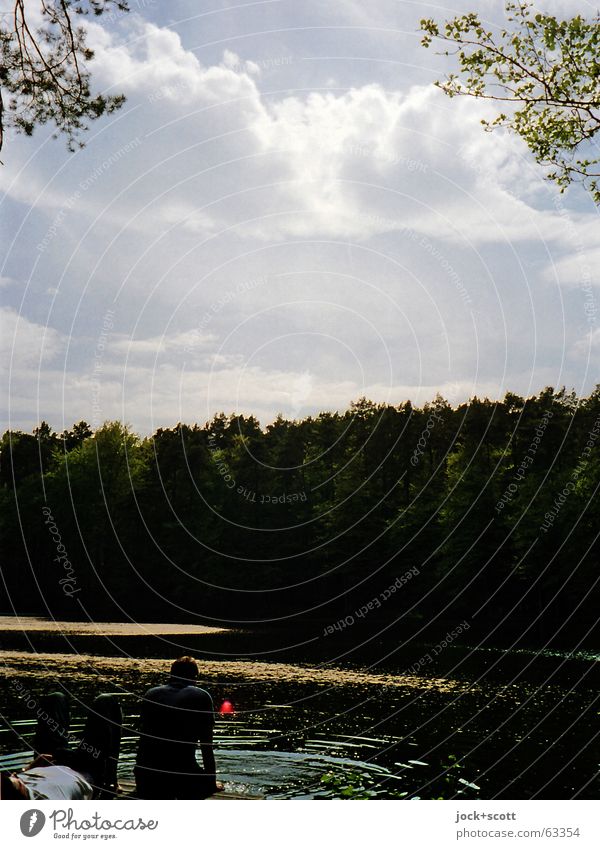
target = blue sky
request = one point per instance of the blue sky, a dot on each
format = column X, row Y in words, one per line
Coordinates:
column 285, row 216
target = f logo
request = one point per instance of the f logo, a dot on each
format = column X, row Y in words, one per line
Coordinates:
column 32, row 822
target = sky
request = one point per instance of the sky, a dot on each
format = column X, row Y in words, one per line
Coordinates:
column 285, row 216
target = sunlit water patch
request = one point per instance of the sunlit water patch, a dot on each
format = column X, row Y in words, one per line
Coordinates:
column 319, row 768
column 304, row 730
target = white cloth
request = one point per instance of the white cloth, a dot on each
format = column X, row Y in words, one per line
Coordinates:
column 55, row 782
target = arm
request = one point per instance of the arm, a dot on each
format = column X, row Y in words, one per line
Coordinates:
column 208, row 758
column 41, row 760
column 208, row 752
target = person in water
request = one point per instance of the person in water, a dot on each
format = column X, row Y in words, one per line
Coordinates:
column 174, row 718
column 63, row 772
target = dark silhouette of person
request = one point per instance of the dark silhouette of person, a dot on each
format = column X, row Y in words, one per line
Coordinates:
column 61, row 771
column 174, row 718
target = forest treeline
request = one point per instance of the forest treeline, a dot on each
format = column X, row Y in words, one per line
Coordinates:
column 490, row 508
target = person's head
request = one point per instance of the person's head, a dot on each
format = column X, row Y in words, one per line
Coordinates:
column 12, row 787
column 185, row 667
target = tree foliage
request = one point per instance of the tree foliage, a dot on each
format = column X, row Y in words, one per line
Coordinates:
column 492, row 505
column 547, row 73
column 43, row 76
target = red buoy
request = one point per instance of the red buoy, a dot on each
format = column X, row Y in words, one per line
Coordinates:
column 226, row 708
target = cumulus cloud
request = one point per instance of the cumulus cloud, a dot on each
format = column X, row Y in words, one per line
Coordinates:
column 25, row 343
column 27, row 352
column 168, row 394
column 154, row 347
column 217, row 214
column 339, row 165
column 588, row 345
column 578, row 269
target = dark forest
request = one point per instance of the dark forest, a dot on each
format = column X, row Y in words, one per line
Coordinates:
column 486, row 513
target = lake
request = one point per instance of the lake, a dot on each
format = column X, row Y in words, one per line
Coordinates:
column 383, row 720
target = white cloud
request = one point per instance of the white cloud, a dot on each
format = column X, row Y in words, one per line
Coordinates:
column 169, row 395
column 27, row 353
column 317, row 194
column 577, row 269
column 160, row 346
column 25, row 343
column 155, row 62
column 588, row 345
column 5, row 282
column 338, row 165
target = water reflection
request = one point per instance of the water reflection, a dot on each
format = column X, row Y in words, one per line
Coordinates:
column 271, row 764
column 470, row 728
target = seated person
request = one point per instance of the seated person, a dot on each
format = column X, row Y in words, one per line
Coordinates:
column 174, row 717
column 61, row 772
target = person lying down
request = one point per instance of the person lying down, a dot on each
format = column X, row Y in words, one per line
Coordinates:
column 45, row 780
column 63, row 772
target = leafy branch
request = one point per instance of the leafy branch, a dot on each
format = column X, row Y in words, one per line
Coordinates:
column 548, row 69
column 43, row 78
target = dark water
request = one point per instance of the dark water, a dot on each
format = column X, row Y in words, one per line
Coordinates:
column 469, row 723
